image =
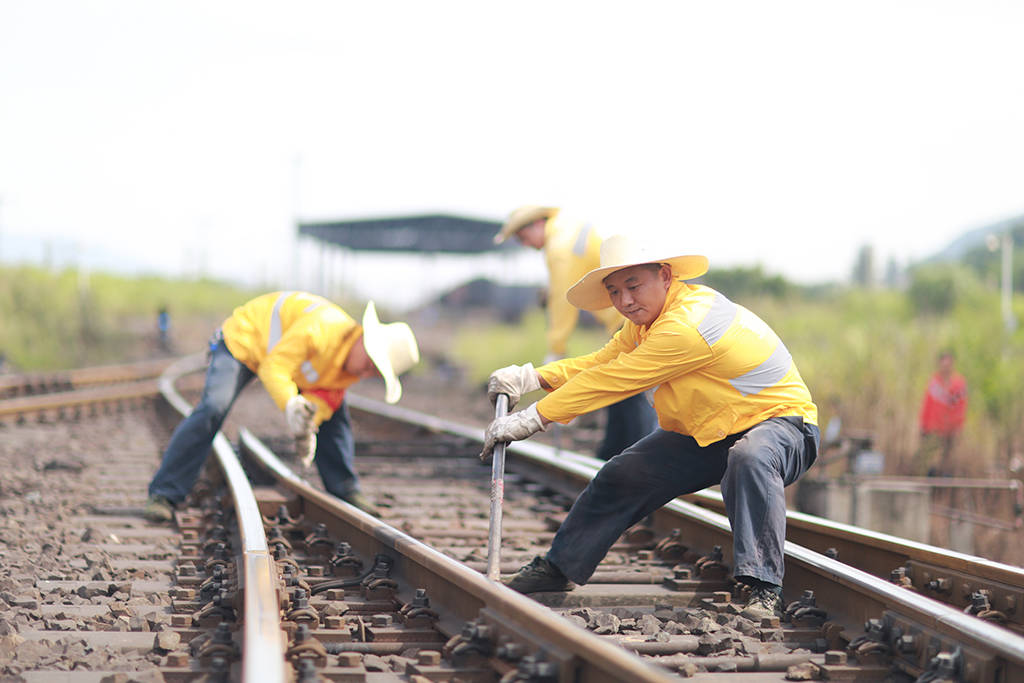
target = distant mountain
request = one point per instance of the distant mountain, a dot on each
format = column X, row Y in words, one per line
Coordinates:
column 974, row 239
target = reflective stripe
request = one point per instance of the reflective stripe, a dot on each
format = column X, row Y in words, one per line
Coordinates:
column 309, row 372
column 312, row 307
column 275, row 321
column 718, row 319
column 765, row 375
column 580, row 248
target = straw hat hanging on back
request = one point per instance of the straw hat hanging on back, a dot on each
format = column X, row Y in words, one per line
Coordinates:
column 622, row 251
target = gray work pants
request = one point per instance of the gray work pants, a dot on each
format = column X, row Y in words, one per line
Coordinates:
column 752, row 468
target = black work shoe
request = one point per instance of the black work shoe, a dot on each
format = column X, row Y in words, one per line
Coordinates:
column 762, row 603
column 539, row 575
column 363, row 503
column 158, row 509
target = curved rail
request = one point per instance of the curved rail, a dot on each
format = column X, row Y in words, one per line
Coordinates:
column 263, row 644
column 468, row 593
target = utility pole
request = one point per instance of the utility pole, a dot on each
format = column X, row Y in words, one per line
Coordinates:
column 1009, row 320
column 1004, row 243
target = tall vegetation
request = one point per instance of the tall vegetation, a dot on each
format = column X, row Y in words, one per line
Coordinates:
column 55, row 320
column 866, row 354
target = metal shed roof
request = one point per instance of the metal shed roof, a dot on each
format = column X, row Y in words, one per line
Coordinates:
column 419, row 233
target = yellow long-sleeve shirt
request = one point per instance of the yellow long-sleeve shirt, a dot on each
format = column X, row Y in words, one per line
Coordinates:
column 571, row 250
column 294, row 342
column 717, row 369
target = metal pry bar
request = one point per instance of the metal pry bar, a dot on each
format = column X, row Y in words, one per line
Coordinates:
column 497, row 495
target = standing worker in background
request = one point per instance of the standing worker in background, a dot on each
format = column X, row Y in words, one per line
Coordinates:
column 732, row 410
column 572, row 249
column 163, row 328
column 306, row 351
column 942, row 417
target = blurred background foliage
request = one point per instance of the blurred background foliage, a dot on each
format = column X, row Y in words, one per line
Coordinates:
column 866, row 350
column 53, row 320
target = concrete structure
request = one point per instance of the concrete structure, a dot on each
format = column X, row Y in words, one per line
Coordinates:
column 895, row 507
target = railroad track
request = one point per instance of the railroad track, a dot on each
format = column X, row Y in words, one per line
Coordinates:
column 664, row 591
column 991, row 590
column 28, row 384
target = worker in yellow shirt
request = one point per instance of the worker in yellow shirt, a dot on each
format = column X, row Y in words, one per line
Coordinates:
column 732, row 410
column 571, row 249
column 306, row 352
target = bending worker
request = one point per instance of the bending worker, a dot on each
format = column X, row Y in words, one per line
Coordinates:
column 306, row 351
column 572, row 249
column 731, row 406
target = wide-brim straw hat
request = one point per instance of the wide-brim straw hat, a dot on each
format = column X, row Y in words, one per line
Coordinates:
column 391, row 347
column 521, row 217
column 621, row 251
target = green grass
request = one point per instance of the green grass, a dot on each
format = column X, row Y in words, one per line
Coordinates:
column 57, row 320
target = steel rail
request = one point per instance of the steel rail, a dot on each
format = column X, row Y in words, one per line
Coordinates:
column 459, row 593
column 80, row 377
column 37, row 403
column 263, row 642
column 123, row 384
column 888, row 552
column 868, row 596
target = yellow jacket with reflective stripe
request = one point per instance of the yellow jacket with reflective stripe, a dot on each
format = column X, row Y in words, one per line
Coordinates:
column 293, row 341
column 571, row 249
column 717, row 368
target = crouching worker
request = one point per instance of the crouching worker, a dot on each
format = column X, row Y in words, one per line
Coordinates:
column 732, row 410
column 306, row 351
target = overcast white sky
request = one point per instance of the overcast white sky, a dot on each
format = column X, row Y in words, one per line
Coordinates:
column 185, row 136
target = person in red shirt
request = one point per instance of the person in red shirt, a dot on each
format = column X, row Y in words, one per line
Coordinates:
column 942, row 417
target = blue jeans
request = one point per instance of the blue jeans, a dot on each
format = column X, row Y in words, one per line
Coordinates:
column 752, row 468
column 190, row 444
column 627, row 422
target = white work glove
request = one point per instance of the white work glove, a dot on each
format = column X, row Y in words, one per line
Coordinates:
column 305, row 448
column 299, row 412
column 515, row 380
column 514, row 427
